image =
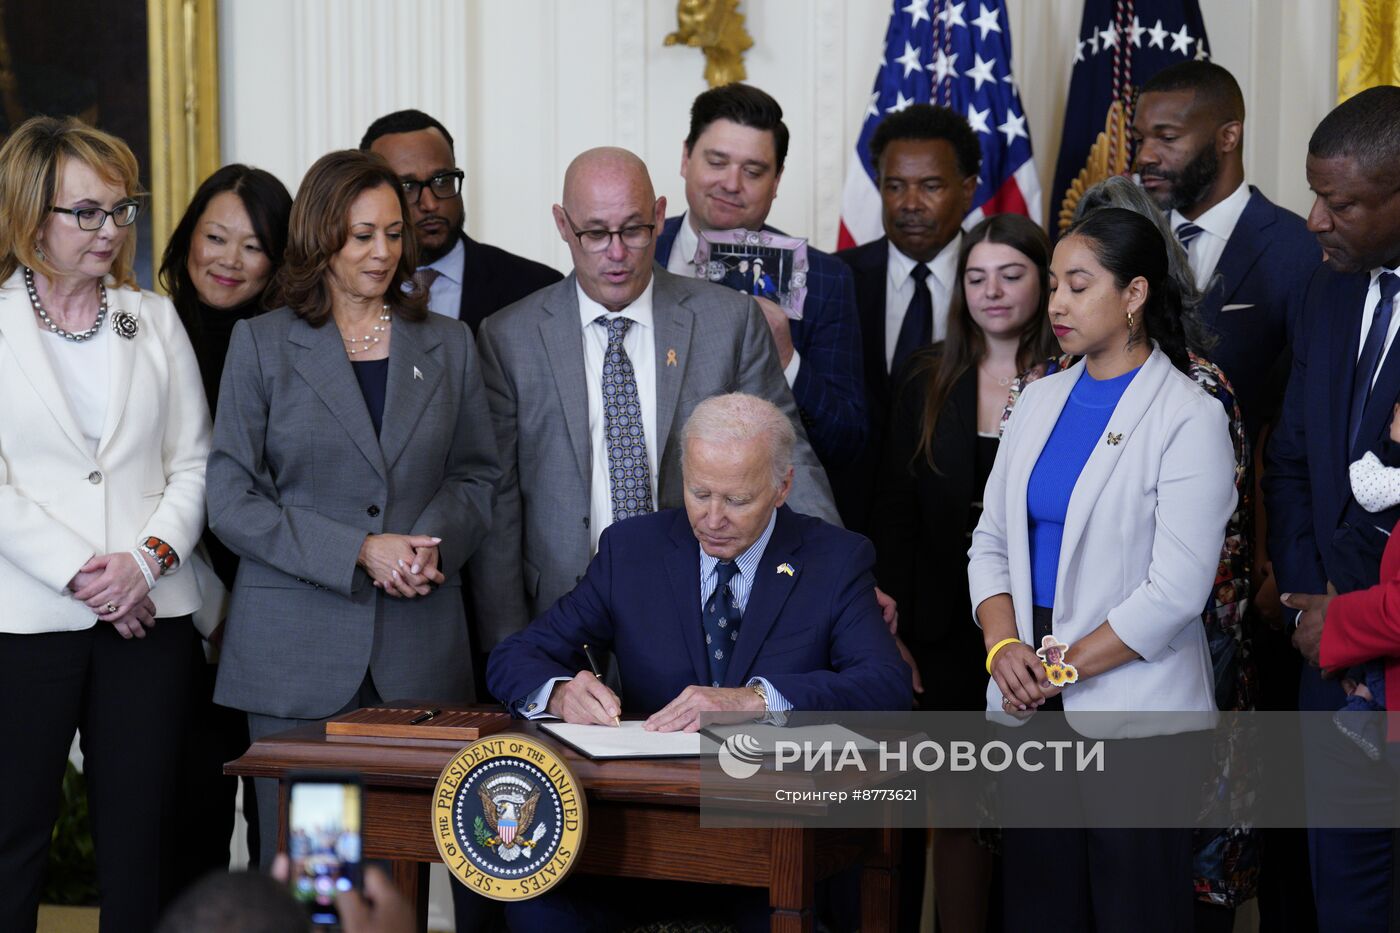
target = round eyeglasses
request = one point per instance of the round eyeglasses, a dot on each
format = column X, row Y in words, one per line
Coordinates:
column 92, row 218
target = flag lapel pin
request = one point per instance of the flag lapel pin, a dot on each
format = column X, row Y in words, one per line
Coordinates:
column 785, row 568
column 417, row 373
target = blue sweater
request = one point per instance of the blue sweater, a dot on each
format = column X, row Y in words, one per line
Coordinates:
column 1080, row 426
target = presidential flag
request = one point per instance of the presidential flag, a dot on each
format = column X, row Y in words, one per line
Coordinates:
column 957, row 54
column 1122, row 43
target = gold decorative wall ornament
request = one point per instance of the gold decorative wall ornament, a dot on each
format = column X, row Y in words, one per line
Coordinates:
column 716, row 27
column 184, row 89
column 1109, row 156
column 1368, row 45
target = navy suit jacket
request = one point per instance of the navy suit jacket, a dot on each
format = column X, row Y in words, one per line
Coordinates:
column 816, row 634
column 828, row 388
column 1317, row 532
column 493, row 278
column 1261, row 277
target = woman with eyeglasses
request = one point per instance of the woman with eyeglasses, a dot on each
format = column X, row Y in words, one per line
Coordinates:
column 104, row 433
column 352, row 472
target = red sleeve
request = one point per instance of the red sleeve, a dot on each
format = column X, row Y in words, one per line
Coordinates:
column 1365, row 625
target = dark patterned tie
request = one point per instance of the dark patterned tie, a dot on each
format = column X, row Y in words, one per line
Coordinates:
column 1186, row 232
column 629, row 473
column 721, row 620
column 917, row 329
column 426, row 277
column 1371, row 354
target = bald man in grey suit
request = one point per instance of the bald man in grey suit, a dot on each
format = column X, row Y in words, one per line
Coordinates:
column 571, row 463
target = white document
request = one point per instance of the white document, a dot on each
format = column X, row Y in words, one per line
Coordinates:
column 628, row 740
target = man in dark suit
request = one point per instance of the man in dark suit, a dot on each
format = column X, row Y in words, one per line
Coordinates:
column 1340, row 398
column 927, row 158
column 732, row 162
column 1251, row 258
column 735, row 604
column 466, row 279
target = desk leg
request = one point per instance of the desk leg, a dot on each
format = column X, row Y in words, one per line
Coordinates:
column 792, row 884
column 411, row 880
column 879, row 883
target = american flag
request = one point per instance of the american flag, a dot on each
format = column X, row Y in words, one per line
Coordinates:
column 957, row 54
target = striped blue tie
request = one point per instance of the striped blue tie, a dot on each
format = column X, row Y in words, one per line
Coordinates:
column 1187, row 232
column 721, row 620
column 629, row 472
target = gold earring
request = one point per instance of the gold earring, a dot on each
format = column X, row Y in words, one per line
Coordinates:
column 1130, row 322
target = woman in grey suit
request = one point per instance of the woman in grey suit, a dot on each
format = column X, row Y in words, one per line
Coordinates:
column 352, row 471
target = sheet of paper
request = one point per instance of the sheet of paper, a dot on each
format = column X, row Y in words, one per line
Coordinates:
column 629, row 740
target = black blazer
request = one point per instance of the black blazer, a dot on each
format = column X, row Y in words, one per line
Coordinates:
column 853, row 485
column 919, row 525
column 493, row 278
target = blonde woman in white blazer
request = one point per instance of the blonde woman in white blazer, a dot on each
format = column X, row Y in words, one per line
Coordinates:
column 1103, row 521
column 104, row 433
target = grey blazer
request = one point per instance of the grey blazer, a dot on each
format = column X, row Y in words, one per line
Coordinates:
column 297, row 479
column 532, row 360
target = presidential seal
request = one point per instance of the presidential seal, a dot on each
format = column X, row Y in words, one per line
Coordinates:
column 508, row 817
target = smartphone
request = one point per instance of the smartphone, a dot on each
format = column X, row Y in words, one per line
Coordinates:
column 325, row 816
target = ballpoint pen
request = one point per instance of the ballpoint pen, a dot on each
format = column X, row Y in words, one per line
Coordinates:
column 593, row 663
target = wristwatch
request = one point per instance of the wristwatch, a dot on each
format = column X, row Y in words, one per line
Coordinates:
column 757, row 687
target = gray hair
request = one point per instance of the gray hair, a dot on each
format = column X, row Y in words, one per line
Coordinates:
column 738, row 418
column 1122, row 192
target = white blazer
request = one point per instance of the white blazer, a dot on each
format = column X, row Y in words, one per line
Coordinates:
column 59, row 503
column 1141, row 546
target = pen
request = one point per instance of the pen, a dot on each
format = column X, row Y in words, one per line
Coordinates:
column 418, row 720
column 592, row 663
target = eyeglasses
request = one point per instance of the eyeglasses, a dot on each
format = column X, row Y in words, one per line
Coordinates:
column 444, row 185
column 92, row 218
column 633, row 236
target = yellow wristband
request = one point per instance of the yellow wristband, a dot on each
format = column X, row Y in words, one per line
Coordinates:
column 991, row 655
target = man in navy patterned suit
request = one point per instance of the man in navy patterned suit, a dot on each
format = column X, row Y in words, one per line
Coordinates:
column 732, row 162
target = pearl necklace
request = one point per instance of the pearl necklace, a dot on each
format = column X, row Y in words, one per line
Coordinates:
column 355, row 345
column 48, row 322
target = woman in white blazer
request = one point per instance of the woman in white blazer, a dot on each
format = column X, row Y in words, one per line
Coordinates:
column 1102, row 526
column 104, row 434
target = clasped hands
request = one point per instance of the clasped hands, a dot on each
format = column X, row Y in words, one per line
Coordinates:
column 1020, row 674
column 113, row 586
column 403, row 566
column 587, row 700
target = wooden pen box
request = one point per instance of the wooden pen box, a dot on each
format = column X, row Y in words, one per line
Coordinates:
column 456, row 727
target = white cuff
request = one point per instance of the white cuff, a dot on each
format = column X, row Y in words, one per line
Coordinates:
column 536, row 705
column 790, row 371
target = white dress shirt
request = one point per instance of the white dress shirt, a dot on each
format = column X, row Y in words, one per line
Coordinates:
column 1217, row 225
column 1368, row 314
column 899, row 291
column 445, row 295
column 640, row 344
column 682, row 262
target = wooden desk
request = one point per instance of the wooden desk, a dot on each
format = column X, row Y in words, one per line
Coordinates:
column 638, row 810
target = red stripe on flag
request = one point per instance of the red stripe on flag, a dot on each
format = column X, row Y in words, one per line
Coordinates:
column 844, row 240
column 1007, row 200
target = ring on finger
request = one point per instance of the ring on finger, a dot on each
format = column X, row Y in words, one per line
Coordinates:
column 110, row 608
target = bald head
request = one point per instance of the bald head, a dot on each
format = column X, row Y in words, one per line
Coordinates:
column 609, row 189
column 603, row 167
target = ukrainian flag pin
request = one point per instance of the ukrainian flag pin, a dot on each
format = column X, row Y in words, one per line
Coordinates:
column 785, row 568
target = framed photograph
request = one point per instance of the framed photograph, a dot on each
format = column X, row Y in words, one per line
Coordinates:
column 758, row 263
column 146, row 71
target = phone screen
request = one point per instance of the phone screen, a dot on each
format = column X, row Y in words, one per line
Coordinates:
column 323, row 840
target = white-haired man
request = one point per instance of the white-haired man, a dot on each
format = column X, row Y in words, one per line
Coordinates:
column 733, row 603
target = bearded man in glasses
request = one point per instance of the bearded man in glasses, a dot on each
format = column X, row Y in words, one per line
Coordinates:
column 465, row 279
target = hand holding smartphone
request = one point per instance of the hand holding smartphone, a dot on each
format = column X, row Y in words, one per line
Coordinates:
column 325, row 814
